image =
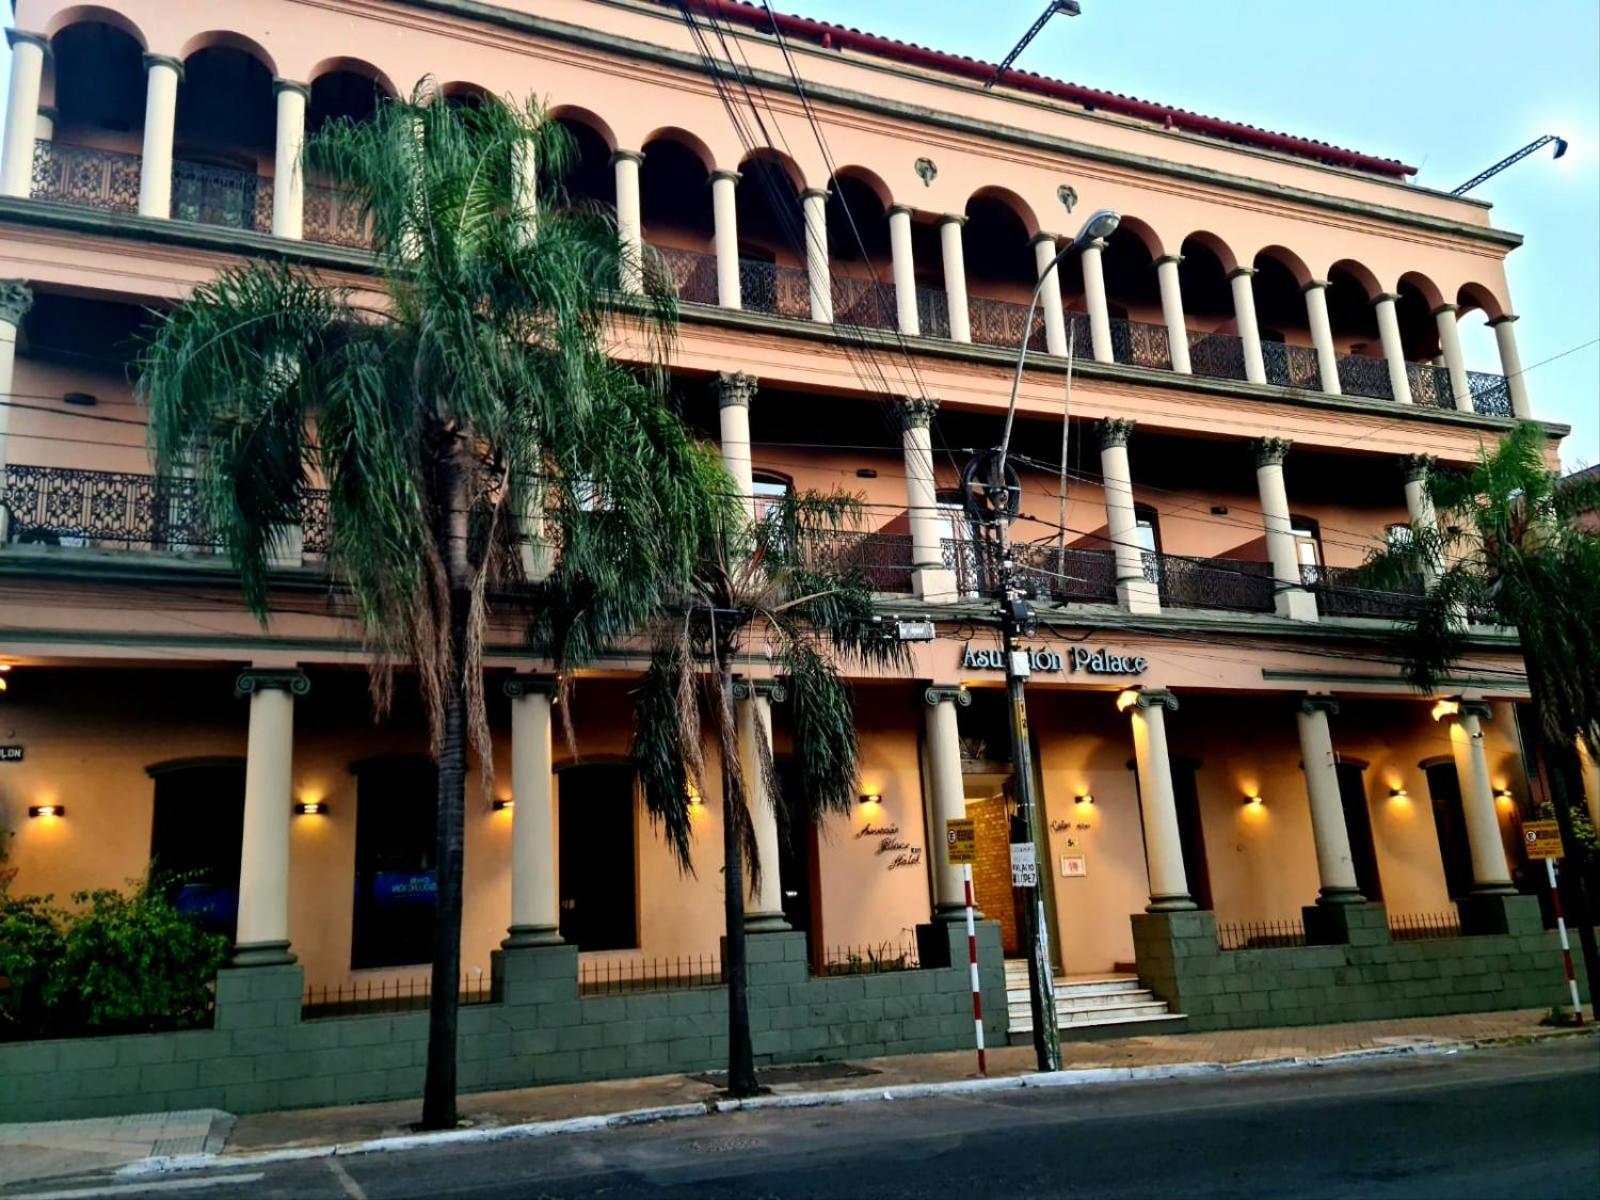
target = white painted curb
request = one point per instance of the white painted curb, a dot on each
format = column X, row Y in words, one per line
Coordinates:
column 165, row 1164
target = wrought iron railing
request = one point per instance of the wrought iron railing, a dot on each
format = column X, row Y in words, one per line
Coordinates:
column 1136, row 344
column 619, row 976
column 1216, row 355
column 863, row 302
column 84, row 176
column 1430, row 386
column 1424, row 927
column 371, row 996
column 884, row 558
column 1186, row 582
column 768, row 288
column 1261, row 935
column 1363, row 375
column 1000, row 322
column 1291, row 366
column 692, row 275
column 872, row 958
column 933, row 312
column 1067, row 574
column 1491, row 394
column 210, row 195
column 1340, row 592
column 333, row 216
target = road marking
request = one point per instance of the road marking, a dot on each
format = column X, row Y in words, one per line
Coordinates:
column 350, row 1186
column 144, row 1189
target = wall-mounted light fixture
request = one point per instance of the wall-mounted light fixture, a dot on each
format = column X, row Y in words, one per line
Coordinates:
column 1399, row 793
column 47, row 810
column 870, row 798
column 1505, row 797
column 696, row 800
column 1446, row 708
column 1126, row 699
column 502, row 803
column 311, row 808
column 1085, row 798
column 1253, row 800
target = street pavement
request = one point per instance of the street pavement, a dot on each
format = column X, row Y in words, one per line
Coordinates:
column 1510, row 1121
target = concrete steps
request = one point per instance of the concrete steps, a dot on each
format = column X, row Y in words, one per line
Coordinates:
column 1090, row 1006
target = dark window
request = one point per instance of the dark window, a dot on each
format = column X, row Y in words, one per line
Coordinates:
column 397, row 884
column 196, row 839
column 1191, row 838
column 1147, row 528
column 1445, row 791
column 798, row 865
column 598, row 854
column 1358, row 826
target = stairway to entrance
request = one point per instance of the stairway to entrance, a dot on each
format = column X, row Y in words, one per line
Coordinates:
column 1090, row 1006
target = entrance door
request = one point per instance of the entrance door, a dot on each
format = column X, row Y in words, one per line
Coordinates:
column 598, row 852
column 397, row 881
column 197, row 838
column 1187, row 795
column 798, row 863
column 1444, row 789
column 1358, row 825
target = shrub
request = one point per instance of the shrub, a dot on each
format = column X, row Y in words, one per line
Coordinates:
column 31, row 949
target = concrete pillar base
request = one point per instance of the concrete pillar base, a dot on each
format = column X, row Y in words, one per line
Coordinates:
column 1338, row 895
column 1138, row 596
column 1171, row 903
column 937, row 585
column 520, row 937
column 1297, row 604
column 944, row 914
column 534, row 974
column 766, row 922
column 1352, row 923
column 262, row 954
column 1499, row 912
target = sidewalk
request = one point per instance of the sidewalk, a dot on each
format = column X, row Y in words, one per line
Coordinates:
column 62, row 1148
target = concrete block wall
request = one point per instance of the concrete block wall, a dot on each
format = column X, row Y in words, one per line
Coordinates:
column 260, row 1055
column 1368, row 976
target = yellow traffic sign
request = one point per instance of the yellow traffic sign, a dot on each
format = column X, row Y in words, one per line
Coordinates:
column 1541, row 839
column 960, row 842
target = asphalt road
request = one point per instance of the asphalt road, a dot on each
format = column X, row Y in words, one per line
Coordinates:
column 1510, row 1122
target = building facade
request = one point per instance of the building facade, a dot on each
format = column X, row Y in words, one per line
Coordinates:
column 1228, row 403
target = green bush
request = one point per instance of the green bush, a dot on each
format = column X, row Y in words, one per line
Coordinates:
column 31, row 949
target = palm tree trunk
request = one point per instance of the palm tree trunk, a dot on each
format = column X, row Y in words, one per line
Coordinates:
column 1561, row 761
column 741, row 1056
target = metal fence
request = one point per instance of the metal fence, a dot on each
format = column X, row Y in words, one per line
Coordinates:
column 768, row 288
column 88, row 178
column 334, row 217
column 1491, row 394
column 368, row 996
column 1291, row 366
column 613, row 977
column 1341, row 592
column 1000, row 323
column 1216, row 355
column 1135, row 344
column 871, row 958
column 1422, row 927
column 1363, row 375
column 863, row 302
column 1185, row 582
column 1261, row 935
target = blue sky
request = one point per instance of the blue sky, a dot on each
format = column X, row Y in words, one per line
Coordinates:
column 1450, row 86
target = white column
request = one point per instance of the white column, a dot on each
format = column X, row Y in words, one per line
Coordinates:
column 1419, row 504
column 763, row 910
column 28, row 52
column 1163, row 847
column 1490, row 871
column 1094, row 299
column 1450, row 346
column 735, row 390
column 1292, row 599
column 954, row 255
column 535, row 917
column 288, row 178
column 1336, row 869
column 45, row 130
column 1172, row 311
column 930, row 578
column 946, row 794
column 1135, row 592
column 905, row 273
column 1244, row 313
column 526, row 165
column 263, row 935
column 725, row 237
column 1393, row 351
column 15, row 300
column 162, row 75
column 630, row 229
column 819, row 271
column 1322, row 335
column 1055, row 317
column 1505, row 337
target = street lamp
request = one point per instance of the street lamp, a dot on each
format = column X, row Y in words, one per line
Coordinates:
column 992, row 498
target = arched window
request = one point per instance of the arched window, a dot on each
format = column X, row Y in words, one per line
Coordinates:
column 769, row 489
column 1307, row 541
column 397, row 883
column 1147, row 528
column 197, row 838
column 598, row 856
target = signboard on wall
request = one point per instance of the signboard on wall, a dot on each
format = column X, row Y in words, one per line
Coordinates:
column 1024, row 865
column 1086, row 659
column 10, row 753
column 960, row 842
column 1541, row 839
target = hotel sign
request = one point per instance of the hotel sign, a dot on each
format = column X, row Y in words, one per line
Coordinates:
column 1080, row 658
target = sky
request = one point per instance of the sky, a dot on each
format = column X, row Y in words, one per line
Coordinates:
column 1450, row 86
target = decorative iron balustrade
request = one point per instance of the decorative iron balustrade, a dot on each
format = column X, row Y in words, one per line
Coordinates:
column 1185, row 582
column 933, row 312
column 115, row 510
column 1261, row 935
column 1068, row 574
column 1363, row 375
column 1136, row 344
column 86, row 177
column 208, row 195
column 1430, row 386
column 863, row 302
column 692, row 275
column 884, row 558
column 1292, row 366
column 968, row 558
column 1216, row 355
column 1491, row 394
column 1000, row 322
column 768, row 288
column 1340, row 592
column 334, row 217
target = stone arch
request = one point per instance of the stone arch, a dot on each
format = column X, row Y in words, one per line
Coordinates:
column 1285, row 258
column 682, row 137
column 572, row 114
column 1476, row 296
column 83, row 14
column 1425, row 287
column 1019, row 207
column 354, row 66
column 776, row 160
column 1359, row 274
column 222, row 39
column 465, row 91
column 1146, row 235
column 869, row 179
column 1219, row 249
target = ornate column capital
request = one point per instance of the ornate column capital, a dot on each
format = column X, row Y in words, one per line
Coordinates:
column 14, row 37
column 1475, row 708
column 1319, row 704
column 16, row 298
column 771, row 690
column 1417, row 466
column 936, row 694
column 1270, row 452
column 296, row 683
column 529, row 685
column 633, row 156
column 953, row 219
column 1115, row 431
column 164, row 60
column 289, row 85
column 1143, row 697
column 735, row 388
column 916, row 412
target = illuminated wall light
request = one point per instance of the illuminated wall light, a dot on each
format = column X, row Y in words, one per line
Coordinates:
column 1127, row 699
column 696, row 800
column 311, row 808
column 1446, row 708
column 870, row 798
column 1504, row 798
column 1085, row 798
column 1253, row 801
column 1399, row 793
column 502, row 804
column 47, row 810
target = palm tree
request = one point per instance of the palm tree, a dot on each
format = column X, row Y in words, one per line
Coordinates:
column 779, row 590
column 1507, row 550
column 459, row 409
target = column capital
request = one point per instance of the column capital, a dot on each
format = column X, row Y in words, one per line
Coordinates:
column 1315, row 285
column 953, row 219
column 735, row 388
column 1143, row 697
column 1115, row 431
column 519, row 686
column 1174, row 259
column 1319, row 704
column 899, row 209
column 1383, row 297
column 936, row 694
column 1475, row 708
column 16, row 298
column 730, row 176
column 296, row 683
column 289, row 85
column 164, row 60
column 1417, row 466
column 1270, row 452
column 16, row 37
column 810, row 192
column 760, row 689
column 1502, row 319
column 1447, row 307
column 1095, row 244
column 1053, row 238
column 1238, row 271
column 916, row 412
